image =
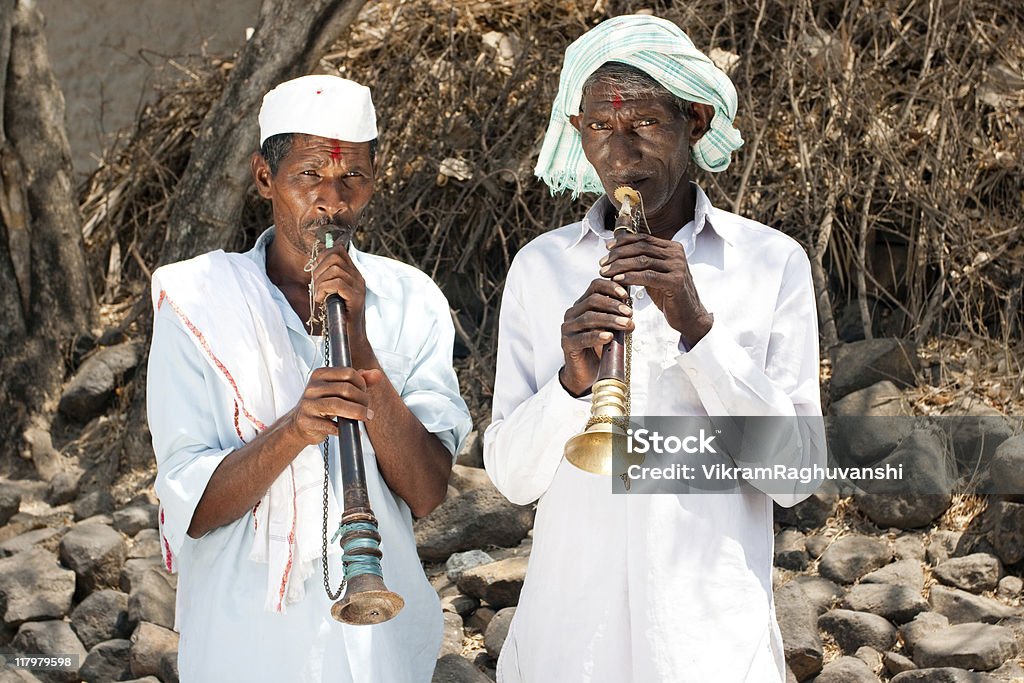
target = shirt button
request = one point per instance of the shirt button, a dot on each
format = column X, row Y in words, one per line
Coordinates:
column 639, row 295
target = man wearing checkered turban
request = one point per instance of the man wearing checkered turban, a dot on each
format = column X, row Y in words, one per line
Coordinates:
column 637, row 586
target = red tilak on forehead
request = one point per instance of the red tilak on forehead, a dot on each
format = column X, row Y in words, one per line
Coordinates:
column 617, row 101
column 336, row 152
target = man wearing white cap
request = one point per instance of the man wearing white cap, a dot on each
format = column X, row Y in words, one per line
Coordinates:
column 647, row 588
column 240, row 403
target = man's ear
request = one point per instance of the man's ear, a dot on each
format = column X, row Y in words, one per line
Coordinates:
column 261, row 175
column 700, row 120
column 577, row 121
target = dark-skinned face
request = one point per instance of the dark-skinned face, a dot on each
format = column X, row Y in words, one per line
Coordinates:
column 319, row 182
column 643, row 143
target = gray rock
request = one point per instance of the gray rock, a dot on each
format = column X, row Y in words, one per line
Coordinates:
column 107, row 661
column 94, row 503
column 809, row 513
column 1010, row 587
column 816, row 545
column 909, row 547
column 152, row 599
column 134, row 518
column 846, row 670
column 907, row 573
column 790, row 550
column 851, row 557
column 93, row 384
column 870, row 656
column 46, row 539
column 942, row 675
column 961, row 606
column 468, row 478
column 479, row 620
column 455, row 669
column 942, row 544
column 899, row 604
column 887, row 502
column 1007, row 533
column 497, row 631
column 451, row 640
column 869, row 424
column 33, row 586
column 973, row 573
column 133, row 569
column 967, row 646
column 798, row 623
column 822, row 593
column 149, row 644
column 922, row 625
column 472, row 452
column 10, row 502
column 96, row 553
column 145, row 544
column 853, row 630
column 896, row 663
column 1010, row 672
column 16, row 676
column 101, row 616
column 463, row 605
column 63, row 487
column 50, row 638
column 169, row 667
column 1007, row 466
column 976, row 437
column 460, row 562
column 475, row 519
column 860, row 364
column 499, row 583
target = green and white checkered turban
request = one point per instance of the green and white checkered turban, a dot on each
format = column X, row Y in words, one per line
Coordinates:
column 658, row 48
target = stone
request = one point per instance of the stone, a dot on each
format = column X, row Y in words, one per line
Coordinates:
column 463, row 605
column 92, row 386
column 451, row 640
column 907, row 573
column 479, row 620
column 1007, row 466
column 133, row 570
column 798, row 622
column 107, row 661
column 168, row 672
column 101, row 616
column 47, row 539
column 96, row 553
column 923, row 624
column 499, row 583
column 145, row 544
column 63, row 487
column 860, row 364
column 961, row 606
column 941, row 675
column 822, row 593
column 816, row 545
column 896, row 663
column 810, row 513
column 909, row 547
column 50, row 638
column 968, row 646
column 790, row 550
column 460, row 562
column 1010, row 672
column 94, row 503
column 870, row 656
column 33, row 587
column 846, row 670
column 149, row 643
column 472, row 452
column 853, row 556
column 973, row 573
column 497, row 631
column 888, row 503
column 896, row 603
column 1007, row 533
column 152, row 599
column 10, row 503
column 1010, row 587
column 977, row 434
column 468, row 478
column 942, row 544
column 134, row 518
column 869, row 424
column 475, row 519
column 456, row 669
column 853, row 630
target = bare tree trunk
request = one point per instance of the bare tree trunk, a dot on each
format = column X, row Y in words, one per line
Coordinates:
column 46, row 300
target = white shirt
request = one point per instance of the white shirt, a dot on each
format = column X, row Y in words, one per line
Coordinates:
column 226, row 634
column 666, row 587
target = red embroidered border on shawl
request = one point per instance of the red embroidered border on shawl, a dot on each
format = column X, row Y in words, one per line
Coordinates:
column 291, row 543
column 168, row 555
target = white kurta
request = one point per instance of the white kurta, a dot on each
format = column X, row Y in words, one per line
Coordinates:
column 226, row 633
column 650, row 588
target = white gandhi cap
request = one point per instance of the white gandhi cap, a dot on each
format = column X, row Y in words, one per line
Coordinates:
column 327, row 106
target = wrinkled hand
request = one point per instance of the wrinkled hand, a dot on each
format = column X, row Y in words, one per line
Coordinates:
column 588, row 325
column 336, row 273
column 661, row 267
column 332, row 393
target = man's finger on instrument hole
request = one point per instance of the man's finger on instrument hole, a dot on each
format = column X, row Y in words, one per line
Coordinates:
column 349, row 409
column 607, row 304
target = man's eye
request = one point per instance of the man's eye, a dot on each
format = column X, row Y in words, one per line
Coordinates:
column 309, row 172
column 596, row 125
column 646, row 122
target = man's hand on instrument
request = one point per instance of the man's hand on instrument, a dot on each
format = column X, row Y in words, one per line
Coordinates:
column 660, row 266
column 336, row 273
column 332, row 393
column 587, row 327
